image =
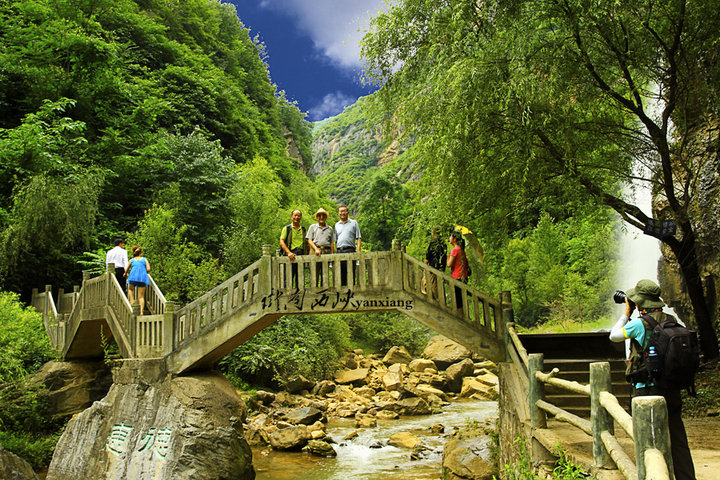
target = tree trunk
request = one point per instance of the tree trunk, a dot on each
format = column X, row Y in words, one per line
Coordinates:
column 686, row 256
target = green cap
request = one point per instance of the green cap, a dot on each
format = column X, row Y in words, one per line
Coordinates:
column 646, row 294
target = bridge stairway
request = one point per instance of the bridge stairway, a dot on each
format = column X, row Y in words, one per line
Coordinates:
column 572, row 355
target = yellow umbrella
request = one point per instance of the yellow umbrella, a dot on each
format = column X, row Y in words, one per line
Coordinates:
column 472, row 242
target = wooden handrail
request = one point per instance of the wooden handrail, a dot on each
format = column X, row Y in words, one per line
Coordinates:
column 647, row 426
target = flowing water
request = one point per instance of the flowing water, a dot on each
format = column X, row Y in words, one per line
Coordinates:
column 361, row 459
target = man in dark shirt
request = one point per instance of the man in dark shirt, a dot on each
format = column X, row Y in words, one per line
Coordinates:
column 436, row 257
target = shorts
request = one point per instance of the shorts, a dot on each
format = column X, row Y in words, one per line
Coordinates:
column 137, row 284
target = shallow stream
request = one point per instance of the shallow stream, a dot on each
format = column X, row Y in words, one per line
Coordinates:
column 358, row 460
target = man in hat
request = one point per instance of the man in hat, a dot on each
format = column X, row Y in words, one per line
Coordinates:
column 118, row 256
column 321, row 238
column 646, row 295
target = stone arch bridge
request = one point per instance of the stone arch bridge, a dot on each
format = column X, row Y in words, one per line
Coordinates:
column 200, row 333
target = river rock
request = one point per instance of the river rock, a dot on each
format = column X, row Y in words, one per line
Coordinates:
column 323, row 387
column 152, row 425
column 320, row 448
column 425, row 391
column 356, row 376
column 264, row 397
column 13, row 467
column 298, row 384
column 73, row 386
column 456, row 372
column 471, row 387
column 392, row 380
column 468, row 458
column 365, row 421
column 291, row 438
column 397, row 355
column 488, row 379
column 421, row 364
column 304, row 416
column 444, row 352
column 403, row 440
column 387, row 415
column 412, row 406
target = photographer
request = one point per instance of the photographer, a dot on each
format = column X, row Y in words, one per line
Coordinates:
column 646, row 295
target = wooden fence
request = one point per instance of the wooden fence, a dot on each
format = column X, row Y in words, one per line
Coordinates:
column 647, row 427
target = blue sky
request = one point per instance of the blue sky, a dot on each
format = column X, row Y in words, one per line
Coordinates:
column 313, row 48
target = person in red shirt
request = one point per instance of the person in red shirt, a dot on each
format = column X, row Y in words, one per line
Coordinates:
column 457, row 261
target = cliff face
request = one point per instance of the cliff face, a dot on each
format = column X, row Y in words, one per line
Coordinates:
column 348, row 149
column 705, row 214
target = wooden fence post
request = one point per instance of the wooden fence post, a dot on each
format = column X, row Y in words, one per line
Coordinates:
column 650, row 429
column 600, row 418
column 536, row 390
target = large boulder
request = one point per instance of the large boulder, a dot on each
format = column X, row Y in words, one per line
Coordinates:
column 152, row 425
column 355, row 376
column 13, row 467
column 73, row 386
column 304, row 416
column 298, row 384
column 468, row 458
column 422, row 364
column 397, row 355
column 404, row 440
column 291, row 438
column 412, row 406
column 320, row 448
column 444, row 352
column 456, row 372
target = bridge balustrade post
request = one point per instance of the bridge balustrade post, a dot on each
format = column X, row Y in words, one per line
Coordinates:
column 110, row 268
column 168, row 333
column 651, row 431
column 601, row 420
column 396, row 244
column 536, row 390
column 48, row 293
column 265, row 280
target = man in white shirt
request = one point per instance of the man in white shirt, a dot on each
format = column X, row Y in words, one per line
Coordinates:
column 347, row 236
column 118, row 255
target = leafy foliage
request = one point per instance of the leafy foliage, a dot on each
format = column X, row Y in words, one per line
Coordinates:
column 24, row 345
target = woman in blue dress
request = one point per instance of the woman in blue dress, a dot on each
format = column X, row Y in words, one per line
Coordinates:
column 137, row 276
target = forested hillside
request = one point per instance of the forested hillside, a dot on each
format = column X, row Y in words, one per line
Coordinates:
column 147, row 118
column 557, row 258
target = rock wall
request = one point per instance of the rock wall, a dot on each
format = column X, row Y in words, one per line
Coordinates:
column 705, row 214
column 152, row 425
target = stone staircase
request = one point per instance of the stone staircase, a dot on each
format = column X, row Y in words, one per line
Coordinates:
column 572, row 355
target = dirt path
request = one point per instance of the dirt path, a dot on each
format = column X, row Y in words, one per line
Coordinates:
column 703, row 436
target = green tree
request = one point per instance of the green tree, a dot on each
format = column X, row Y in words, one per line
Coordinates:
column 383, row 211
column 531, row 105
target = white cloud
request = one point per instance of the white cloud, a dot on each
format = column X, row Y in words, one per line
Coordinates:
column 331, row 104
column 335, row 26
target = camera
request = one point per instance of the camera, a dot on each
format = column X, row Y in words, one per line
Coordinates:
column 619, row 297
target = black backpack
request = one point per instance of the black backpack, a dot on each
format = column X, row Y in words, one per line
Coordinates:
column 677, row 354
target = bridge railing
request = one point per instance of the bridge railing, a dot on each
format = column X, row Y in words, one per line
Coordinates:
column 154, row 298
column 231, row 295
column 313, row 273
column 52, row 320
column 647, row 427
column 439, row 289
